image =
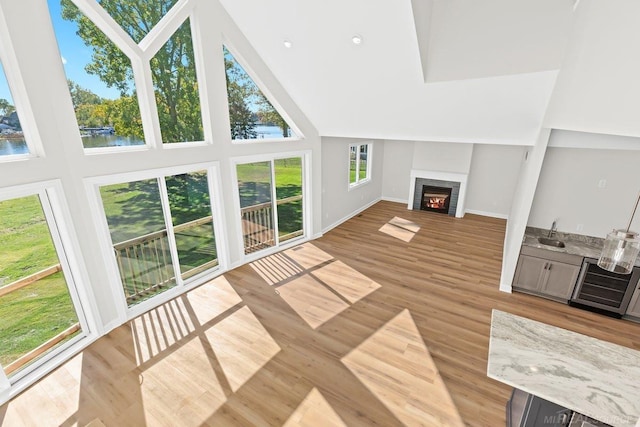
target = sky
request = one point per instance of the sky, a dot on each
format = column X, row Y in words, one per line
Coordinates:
column 74, row 55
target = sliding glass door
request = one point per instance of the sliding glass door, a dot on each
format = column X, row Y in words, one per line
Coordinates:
column 162, row 231
column 271, row 202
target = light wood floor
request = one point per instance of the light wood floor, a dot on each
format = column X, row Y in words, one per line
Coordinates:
column 374, row 324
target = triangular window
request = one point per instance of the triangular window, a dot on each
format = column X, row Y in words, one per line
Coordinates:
column 100, row 80
column 251, row 114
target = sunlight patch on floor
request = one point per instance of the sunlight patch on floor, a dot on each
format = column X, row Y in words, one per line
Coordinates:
column 395, row 365
column 212, row 299
column 400, row 228
column 308, row 255
column 56, row 397
column 315, row 285
column 175, row 386
column 276, row 268
column 314, row 411
column 346, row 281
column 241, row 345
column 314, row 303
column 160, row 328
column 164, row 326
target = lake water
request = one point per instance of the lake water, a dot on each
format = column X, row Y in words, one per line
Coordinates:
column 18, row 146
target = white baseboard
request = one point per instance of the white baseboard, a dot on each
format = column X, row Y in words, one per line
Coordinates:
column 393, row 199
column 505, row 287
column 351, row 215
column 485, row 213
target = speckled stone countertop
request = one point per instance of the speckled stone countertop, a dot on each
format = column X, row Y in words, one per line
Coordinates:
column 593, row 377
column 576, row 244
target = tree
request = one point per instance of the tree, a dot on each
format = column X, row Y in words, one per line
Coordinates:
column 239, row 92
column 81, row 96
column 5, row 107
column 172, row 67
column 268, row 115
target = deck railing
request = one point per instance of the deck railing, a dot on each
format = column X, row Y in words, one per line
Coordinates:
column 31, row 355
column 145, row 262
column 258, row 227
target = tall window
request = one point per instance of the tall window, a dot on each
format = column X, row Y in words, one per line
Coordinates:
column 359, row 164
column 40, row 314
column 271, row 202
column 162, row 232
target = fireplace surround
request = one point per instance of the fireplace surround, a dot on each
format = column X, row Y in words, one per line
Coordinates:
column 449, row 181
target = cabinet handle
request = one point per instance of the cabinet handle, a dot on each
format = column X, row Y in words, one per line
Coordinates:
column 546, row 264
column 549, row 267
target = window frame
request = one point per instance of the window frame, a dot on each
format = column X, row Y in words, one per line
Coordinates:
column 360, row 181
column 20, row 100
column 104, row 235
column 299, row 136
column 305, row 155
column 58, row 218
column 140, row 55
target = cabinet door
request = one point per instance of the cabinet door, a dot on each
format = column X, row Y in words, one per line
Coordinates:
column 634, row 305
column 529, row 273
column 561, row 279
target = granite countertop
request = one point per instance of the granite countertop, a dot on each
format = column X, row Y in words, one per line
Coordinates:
column 593, row 377
column 575, row 244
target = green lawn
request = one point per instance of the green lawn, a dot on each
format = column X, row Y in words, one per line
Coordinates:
column 33, row 315
column 26, row 244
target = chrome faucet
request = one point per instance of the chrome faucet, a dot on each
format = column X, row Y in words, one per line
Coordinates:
column 553, row 228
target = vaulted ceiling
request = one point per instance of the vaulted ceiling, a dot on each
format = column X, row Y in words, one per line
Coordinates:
column 490, row 71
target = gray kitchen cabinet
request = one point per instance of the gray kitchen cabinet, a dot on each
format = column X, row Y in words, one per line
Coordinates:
column 547, row 273
column 634, row 305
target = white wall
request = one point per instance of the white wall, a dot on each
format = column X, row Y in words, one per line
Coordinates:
column 598, row 89
column 569, row 191
column 493, row 178
column 339, row 202
column 521, row 207
column 396, row 170
column 442, row 156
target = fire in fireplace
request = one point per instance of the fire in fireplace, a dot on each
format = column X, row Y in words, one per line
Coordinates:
column 435, row 199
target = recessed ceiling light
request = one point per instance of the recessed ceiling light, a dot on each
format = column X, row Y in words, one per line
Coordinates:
column 287, row 44
column 357, row 39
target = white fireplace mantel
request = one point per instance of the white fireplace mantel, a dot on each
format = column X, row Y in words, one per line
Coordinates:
column 441, row 176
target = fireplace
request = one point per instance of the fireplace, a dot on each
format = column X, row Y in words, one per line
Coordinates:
column 435, row 199
column 440, row 191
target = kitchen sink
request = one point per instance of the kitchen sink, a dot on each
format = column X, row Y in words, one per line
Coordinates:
column 551, row 242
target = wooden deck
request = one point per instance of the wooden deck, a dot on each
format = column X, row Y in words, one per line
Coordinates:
column 359, row 328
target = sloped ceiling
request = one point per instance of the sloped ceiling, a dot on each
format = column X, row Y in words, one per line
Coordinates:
column 489, row 66
column 598, row 88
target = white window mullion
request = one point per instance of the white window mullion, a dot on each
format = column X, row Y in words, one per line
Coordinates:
column 215, row 202
column 168, row 222
column 274, row 204
column 358, row 148
column 67, row 271
column 5, row 385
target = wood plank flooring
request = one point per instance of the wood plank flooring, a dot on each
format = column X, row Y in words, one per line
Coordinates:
column 361, row 327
